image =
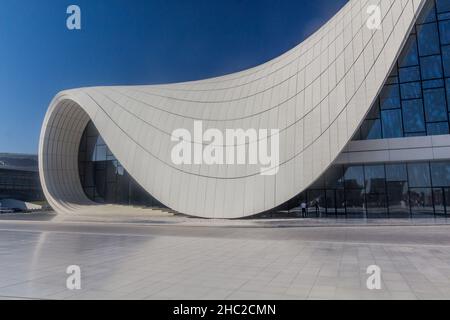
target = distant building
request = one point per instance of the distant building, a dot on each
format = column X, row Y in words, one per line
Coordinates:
column 19, row 178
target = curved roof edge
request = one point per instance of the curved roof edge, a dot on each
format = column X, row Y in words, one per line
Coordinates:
column 316, row 95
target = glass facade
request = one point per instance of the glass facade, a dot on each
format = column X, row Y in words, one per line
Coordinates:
column 20, row 185
column 415, row 100
column 103, row 178
column 417, row 189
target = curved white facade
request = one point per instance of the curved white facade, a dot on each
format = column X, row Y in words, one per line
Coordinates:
column 317, row 95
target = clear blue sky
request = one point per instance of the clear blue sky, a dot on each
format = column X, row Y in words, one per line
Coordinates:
column 134, row 42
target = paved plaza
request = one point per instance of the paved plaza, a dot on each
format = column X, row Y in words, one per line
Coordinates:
column 222, row 260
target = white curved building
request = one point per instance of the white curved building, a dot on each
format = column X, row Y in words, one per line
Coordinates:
column 319, row 95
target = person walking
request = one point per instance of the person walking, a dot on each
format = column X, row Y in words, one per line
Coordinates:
column 303, row 206
column 317, row 206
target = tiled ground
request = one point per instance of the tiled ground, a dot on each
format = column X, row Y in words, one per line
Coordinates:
column 184, row 264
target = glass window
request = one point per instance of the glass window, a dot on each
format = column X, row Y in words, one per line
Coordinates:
column 317, row 196
column 374, row 112
column 376, row 205
column 340, row 202
column 396, row 172
column 442, row 6
column 394, row 73
column 111, row 172
column 413, row 118
column 431, row 84
column 335, row 178
column 100, row 153
column 439, row 201
column 392, row 123
column 435, row 105
column 354, row 177
column 409, row 56
column 409, row 74
column 431, row 67
column 390, row 97
column 319, row 184
column 88, row 176
column 447, row 85
column 419, row 175
column 420, row 69
column 398, row 198
column 428, row 13
column 90, row 147
column 428, row 40
column 392, row 80
column 375, row 179
column 446, row 60
column 447, row 200
column 421, row 200
column 444, row 16
column 440, row 174
column 102, row 177
column 444, row 30
column 415, row 134
column 371, row 129
column 357, row 135
column 437, row 128
column 355, row 204
column 412, row 90
column 120, row 170
column 331, row 202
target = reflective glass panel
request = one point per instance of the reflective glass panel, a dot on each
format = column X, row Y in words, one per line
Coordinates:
column 419, row 175
column 444, row 31
column 437, row 128
column 428, row 13
column 431, row 67
column 102, row 177
column 398, row 198
column 442, row 6
column 392, row 123
column 376, row 206
column 435, row 105
column 421, row 200
column 446, row 60
column 390, row 97
column 409, row 56
column 439, row 201
column 355, row 203
column 409, row 74
column 396, row 172
column 428, row 39
column 354, row 177
column 413, row 117
column 371, row 129
column 412, row 90
column 375, row 179
column 440, row 173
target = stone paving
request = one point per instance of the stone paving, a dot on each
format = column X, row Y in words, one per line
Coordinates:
column 223, row 263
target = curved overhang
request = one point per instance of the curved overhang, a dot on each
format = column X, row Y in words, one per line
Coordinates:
column 316, row 95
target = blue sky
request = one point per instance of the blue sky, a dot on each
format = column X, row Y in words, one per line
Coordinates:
column 134, row 42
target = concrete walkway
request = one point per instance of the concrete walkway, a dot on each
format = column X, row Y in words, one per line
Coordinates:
column 166, row 258
column 158, row 217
